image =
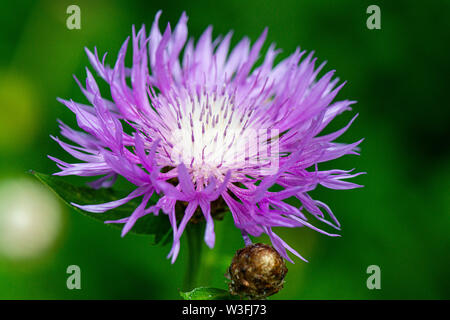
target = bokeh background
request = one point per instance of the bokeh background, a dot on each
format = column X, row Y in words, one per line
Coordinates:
column 400, row 221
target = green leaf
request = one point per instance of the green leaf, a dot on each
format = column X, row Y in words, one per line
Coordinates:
column 158, row 227
column 205, row 293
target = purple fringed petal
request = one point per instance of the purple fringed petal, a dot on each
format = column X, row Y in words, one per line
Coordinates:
column 281, row 246
column 190, row 209
column 104, row 182
column 139, row 212
column 113, row 204
column 210, row 237
column 185, row 181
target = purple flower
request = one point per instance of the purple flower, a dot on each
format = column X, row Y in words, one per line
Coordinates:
column 210, row 126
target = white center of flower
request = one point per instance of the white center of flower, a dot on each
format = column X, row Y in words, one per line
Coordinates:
column 211, row 136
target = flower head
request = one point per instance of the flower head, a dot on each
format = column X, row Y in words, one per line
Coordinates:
column 210, row 125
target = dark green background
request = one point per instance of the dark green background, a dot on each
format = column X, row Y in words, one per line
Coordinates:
column 399, row 76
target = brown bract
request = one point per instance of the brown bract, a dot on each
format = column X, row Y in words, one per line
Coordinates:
column 218, row 210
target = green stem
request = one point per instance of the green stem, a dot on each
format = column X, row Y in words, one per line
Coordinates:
column 194, row 234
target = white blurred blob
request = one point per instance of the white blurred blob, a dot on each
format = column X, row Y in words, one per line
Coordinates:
column 30, row 219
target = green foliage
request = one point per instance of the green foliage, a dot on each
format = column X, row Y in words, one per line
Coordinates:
column 206, row 293
column 158, row 227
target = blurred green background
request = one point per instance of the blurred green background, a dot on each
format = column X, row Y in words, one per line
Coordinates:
column 400, row 221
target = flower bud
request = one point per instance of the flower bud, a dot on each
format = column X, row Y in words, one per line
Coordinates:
column 256, row 272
